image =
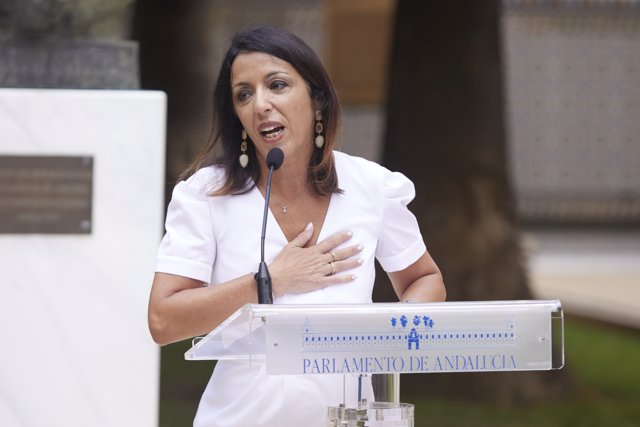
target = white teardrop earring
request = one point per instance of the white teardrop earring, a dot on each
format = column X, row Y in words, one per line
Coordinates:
column 319, row 141
column 244, row 158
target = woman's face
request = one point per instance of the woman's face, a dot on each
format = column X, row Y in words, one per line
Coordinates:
column 273, row 103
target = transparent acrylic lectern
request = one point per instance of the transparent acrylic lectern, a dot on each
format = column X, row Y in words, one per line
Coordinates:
column 386, row 340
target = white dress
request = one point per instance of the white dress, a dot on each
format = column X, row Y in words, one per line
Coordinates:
column 216, row 239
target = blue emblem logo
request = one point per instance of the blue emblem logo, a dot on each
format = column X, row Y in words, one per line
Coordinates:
column 413, row 336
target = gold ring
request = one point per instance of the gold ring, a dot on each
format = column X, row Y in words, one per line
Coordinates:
column 333, row 268
column 333, row 256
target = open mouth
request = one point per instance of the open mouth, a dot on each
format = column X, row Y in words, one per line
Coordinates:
column 273, row 132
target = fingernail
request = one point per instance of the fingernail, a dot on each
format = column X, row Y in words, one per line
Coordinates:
column 359, row 248
column 309, row 226
column 359, row 260
column 354, row 277
column 349, row 233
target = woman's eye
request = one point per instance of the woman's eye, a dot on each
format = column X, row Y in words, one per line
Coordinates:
column 243, row 95
column 278, row 85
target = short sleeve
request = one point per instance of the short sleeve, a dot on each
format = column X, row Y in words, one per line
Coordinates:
column 188, row 247
column 400, row 243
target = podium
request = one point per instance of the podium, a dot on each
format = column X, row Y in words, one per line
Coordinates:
column 387, row 339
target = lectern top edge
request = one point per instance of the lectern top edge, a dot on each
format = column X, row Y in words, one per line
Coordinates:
column 266, row 309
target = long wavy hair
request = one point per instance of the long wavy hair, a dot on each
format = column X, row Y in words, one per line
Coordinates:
column 223, row 147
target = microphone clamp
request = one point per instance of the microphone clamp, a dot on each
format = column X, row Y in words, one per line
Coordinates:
column 263, row 282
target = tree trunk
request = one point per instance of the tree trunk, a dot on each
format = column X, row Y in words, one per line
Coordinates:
column 445, row 131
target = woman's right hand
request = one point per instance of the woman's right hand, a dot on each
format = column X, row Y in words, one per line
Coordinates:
column 298, row 269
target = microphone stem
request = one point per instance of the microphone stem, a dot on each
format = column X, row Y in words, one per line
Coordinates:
column 262, row 276
column 266, row 212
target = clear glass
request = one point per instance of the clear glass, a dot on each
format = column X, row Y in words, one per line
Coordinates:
column 374, row 414
column 392, row 338
column 557, row 339
column 386, row 387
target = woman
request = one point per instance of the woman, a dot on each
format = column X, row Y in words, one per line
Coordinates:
column 331, row 215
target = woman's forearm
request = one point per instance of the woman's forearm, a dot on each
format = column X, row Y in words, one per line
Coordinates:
column 181, row 308
column 428, row 288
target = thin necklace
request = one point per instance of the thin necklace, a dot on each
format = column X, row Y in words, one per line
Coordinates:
column 285, row 207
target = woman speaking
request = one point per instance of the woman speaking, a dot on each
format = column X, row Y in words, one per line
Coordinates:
column 330, row 216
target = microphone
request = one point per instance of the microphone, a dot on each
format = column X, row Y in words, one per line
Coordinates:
column 275, row 157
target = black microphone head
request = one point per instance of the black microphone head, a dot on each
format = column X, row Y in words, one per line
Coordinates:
column 275, row 157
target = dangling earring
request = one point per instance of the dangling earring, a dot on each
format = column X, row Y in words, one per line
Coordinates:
column 244, row 158
column 319, row 129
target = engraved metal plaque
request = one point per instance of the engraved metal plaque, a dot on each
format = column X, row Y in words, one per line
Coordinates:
column 46, row 194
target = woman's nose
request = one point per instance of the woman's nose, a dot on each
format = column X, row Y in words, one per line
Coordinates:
column 262, row 101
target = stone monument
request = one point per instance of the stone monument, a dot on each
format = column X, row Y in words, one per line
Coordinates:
column 81, row 212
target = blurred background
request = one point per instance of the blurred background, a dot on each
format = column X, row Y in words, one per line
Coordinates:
column 519, row 123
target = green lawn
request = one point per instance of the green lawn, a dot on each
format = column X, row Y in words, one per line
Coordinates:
column 604, row 361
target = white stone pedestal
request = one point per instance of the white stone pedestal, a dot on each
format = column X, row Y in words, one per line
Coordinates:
column 75, row 347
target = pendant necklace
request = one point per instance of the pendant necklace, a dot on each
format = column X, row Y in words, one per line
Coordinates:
column 285, row 207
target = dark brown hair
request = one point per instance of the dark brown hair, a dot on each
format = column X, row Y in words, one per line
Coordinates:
column 223, row 146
